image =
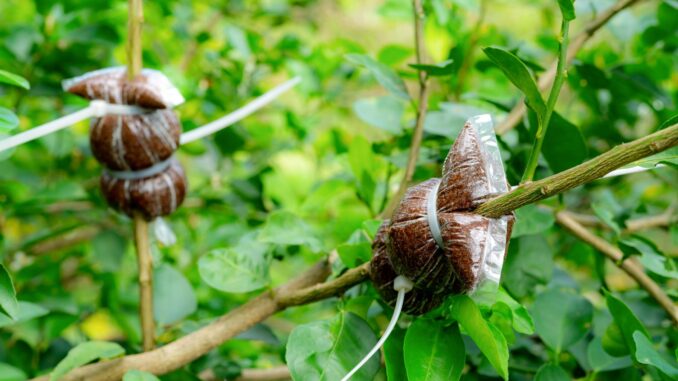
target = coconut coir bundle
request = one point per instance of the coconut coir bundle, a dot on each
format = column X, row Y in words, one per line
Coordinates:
column 434, row 238
column 136, row 150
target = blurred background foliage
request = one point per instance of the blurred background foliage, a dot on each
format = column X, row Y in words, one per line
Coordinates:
column 312, row 171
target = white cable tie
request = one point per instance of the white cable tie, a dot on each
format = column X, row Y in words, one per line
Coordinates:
column 237, row 115
column 96, row 109
column 402, row 285
column 628, row 171
column 432, row 215
column 153, row 170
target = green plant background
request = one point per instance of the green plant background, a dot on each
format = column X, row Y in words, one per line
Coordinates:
column 312, row 171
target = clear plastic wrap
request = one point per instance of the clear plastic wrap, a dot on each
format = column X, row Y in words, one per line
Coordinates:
column 434, row 238
column 150, row 89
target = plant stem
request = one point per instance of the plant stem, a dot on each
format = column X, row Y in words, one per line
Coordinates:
column 145, row 262
column 616, row 256
column 144, row 259
column 550, row 104
column 422, row 107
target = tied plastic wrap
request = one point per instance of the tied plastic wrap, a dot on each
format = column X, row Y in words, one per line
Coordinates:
column 435, row 239
column 136, row 150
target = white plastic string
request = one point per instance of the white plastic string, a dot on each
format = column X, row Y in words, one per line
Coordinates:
column 153, row 170
column 95, row 109
column 402, row 285
column 238, row 114
column 627, row 171
column 432, row 215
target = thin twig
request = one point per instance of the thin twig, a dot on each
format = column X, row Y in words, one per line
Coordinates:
column 145, row 261
column 135, row 21
column 422, row 107
column 516, row 115
column 637, row 224
column 629, row 266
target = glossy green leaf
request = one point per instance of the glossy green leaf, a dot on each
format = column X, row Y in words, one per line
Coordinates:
column 8, row 302
column 381, row 112
column 522, row 320
column 450, row 118
column 567, row 9
column 8, row 120
column 434, row 352
column 551, row 372
column 355, row 254
column 436, row 70
column 10, row 373
column 561, row 318
column 531, row 219
column 328, row 350
column 516, row 71
column 26, row 311
column 626, row 320
column 651, row 258
column 286, row 228
column 613, row 341
column 240, row 269
column 601, row 361
column 363, row 164
column 138, row 375
column 85, row 353
column 13, row 79
column 564, row 145
column 646, row 354
column 529, row 263
column 394, row 357
column 383, row 74
column 487, row 337
column 173, row 296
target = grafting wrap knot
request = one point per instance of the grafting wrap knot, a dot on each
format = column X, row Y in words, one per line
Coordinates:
column 142, row 173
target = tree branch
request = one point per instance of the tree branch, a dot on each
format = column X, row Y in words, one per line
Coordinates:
column 279, row 373
column 593, row 169
column 145, row 262
column 634, row 225
column 516, row 114
column 629, row 266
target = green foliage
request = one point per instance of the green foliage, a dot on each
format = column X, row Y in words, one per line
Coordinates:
column 13, row 79
column 137, row 375
column 85, row 353
column 433, row 351
column 173, row 297
column 561, row 318
column 8, row 302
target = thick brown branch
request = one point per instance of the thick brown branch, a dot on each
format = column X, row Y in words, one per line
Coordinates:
column 593, row 169
column 545, row 81
column 632, row 268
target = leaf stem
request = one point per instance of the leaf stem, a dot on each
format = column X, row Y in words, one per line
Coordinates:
column 550, row 105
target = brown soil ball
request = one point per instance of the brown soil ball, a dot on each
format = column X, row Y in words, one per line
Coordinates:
column 153, row 196
column 132, row 142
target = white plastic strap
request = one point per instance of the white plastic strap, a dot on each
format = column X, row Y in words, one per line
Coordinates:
column 95, row 109
column 238, row 114
column 141, row 173
column 432, row 215
column 402, row 285
column 628, row 171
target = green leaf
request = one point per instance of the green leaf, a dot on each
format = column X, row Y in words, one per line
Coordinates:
column 10, row 373
column 108, row 249
column 394, row 355
column 551, row 372
column 522, row 320
column 355, row 254
column 363, row 164
column 138, row 375
column 13, row 79
column 85, row 353
column 646, row 354
column 328, row 350
column 564, row 145
column 608, row 209
column 487, row 337
column 383, row 74
column 27, row 311
column 450, row 118
column 436, row 70
column 518, row 74
column 286, row 228
column 561, row 318
column 240, row 269
column 531, row 219
column 8, row 120
column 8, row 302
column 381, row 112
column 613, row 341
column 173, row 296
column 433, row 352
column 567, row 9
column 528, row 264
column 626, row 320
column 651, row 258
column 600, row 361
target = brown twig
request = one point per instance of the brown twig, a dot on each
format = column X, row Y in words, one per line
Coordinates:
column 71, row 238
column 633, row 269
column 135, row 22
column 545, row 81
column 145, row 261
column 593, row 169
column 279, row 373
column 422, row 107
column 634, row 225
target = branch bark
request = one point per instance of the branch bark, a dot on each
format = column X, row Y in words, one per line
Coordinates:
column 516, row 114
column 595, row 168
column 633, row 269
column 145, row 262
column 634, row 225
column 305, row 289
column 279, row 373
